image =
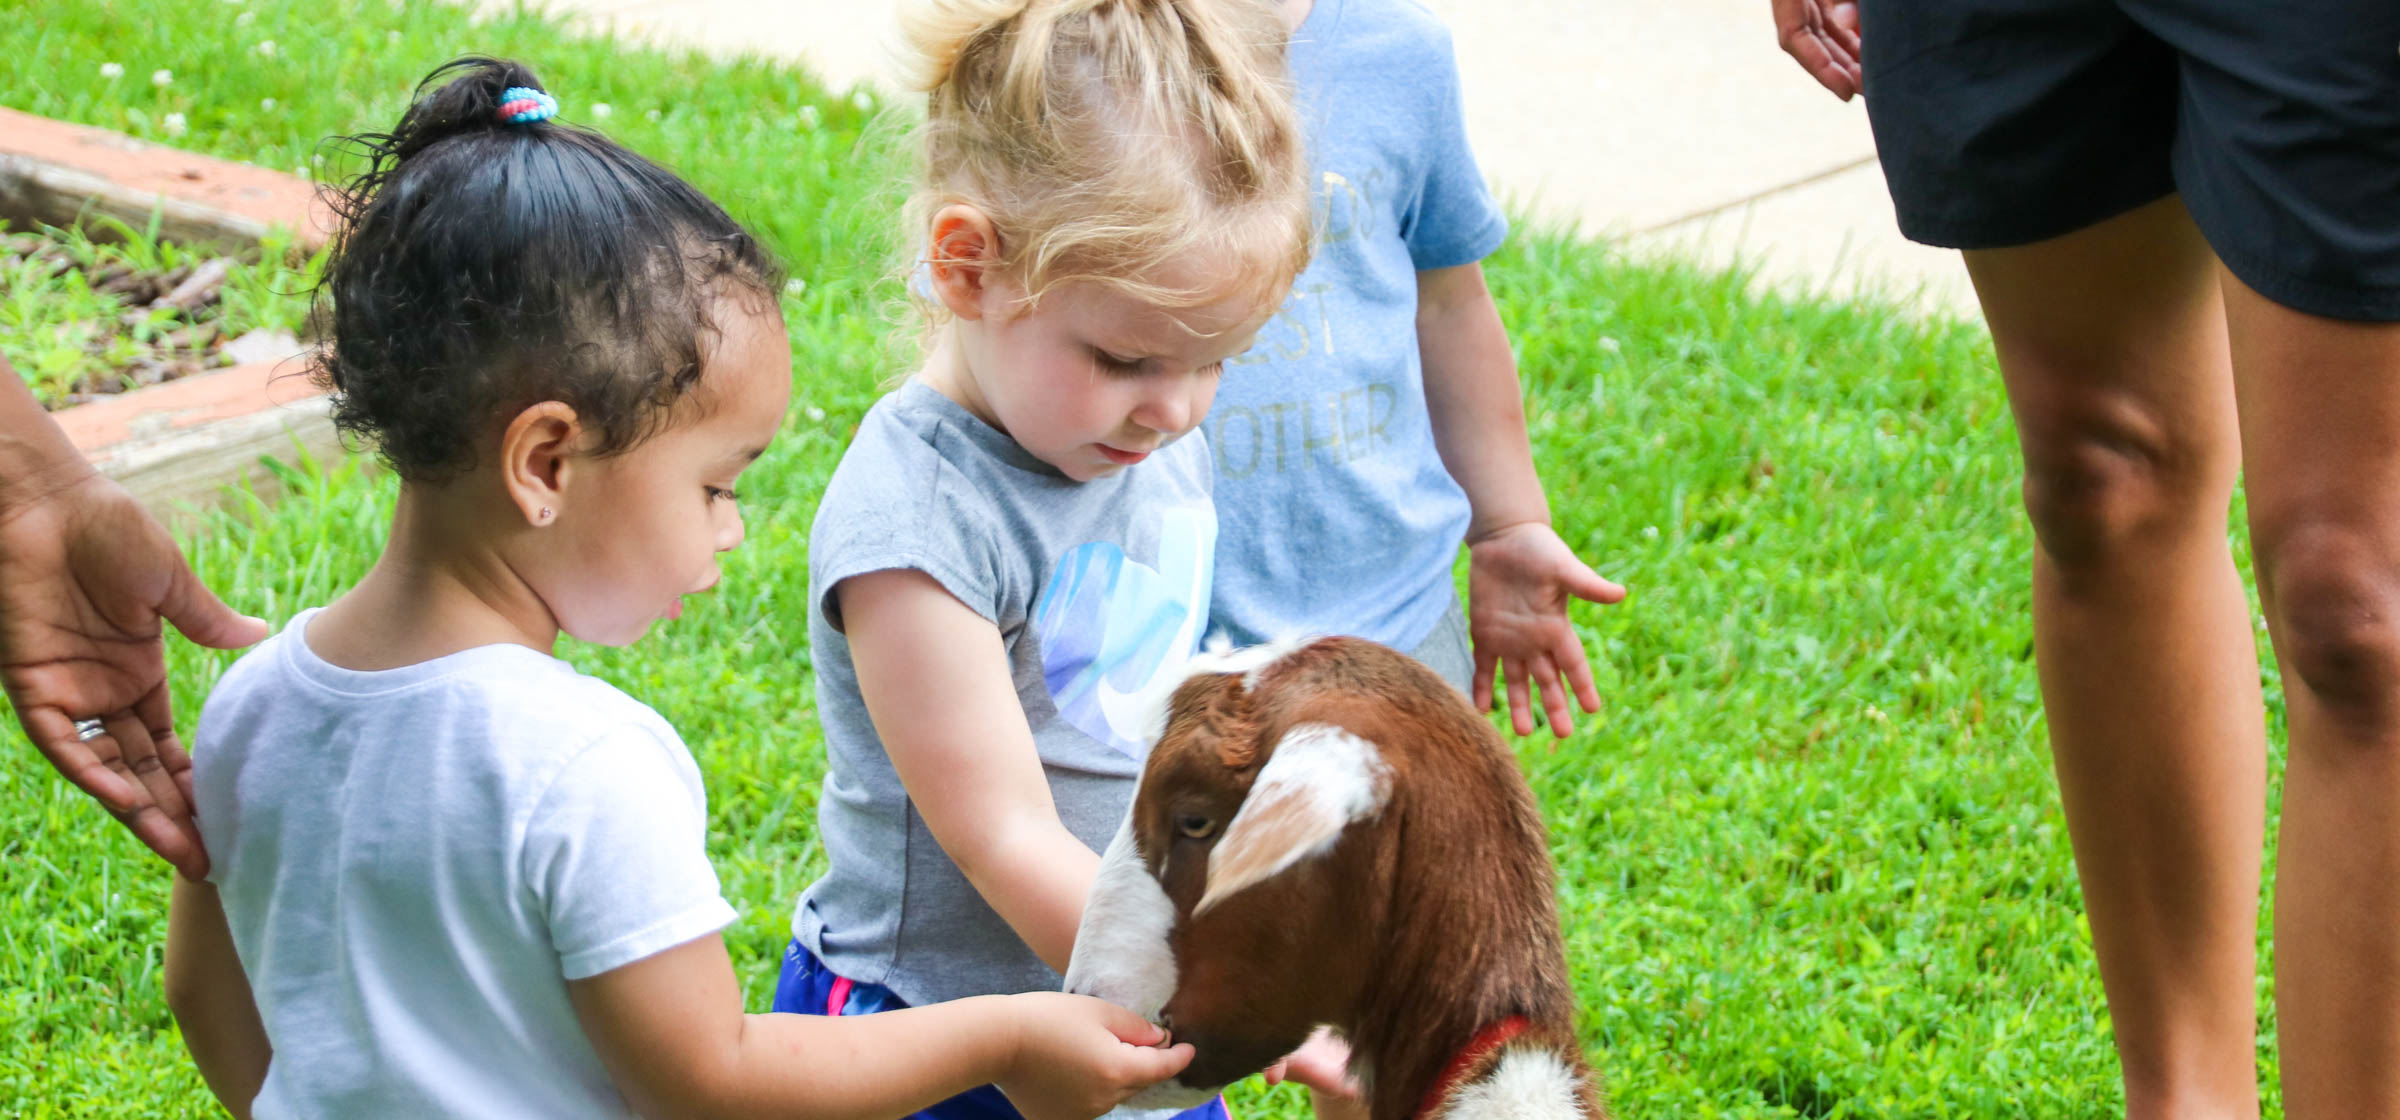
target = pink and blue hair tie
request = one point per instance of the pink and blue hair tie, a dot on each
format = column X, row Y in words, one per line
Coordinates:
column 525, row 105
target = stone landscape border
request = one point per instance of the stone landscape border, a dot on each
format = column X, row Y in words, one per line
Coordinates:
column 175, row 445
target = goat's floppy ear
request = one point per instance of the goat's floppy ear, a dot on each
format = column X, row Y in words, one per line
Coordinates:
column 1320, row 779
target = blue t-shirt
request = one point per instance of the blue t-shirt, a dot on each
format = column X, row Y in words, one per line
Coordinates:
column 1335, row 511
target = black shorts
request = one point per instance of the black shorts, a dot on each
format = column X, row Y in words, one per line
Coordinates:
column 2004, row 122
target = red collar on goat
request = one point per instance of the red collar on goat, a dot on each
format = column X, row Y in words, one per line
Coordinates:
column 1483, row 1046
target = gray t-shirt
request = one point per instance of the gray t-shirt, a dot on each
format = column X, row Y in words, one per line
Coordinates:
column 1099, row 589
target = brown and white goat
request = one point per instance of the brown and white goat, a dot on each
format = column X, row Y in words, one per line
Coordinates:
column 1328, row 833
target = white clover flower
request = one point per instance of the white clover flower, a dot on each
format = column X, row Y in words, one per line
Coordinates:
column 162, row 78
column 1610, row 345
column 809, row 116
column 174, row 123
column 266, row 47
column 112, row 70
column 651, row 116
column 264, row 103
column 862, row 101
column 1650, row 532
column 601, row 110
column 794, row 286
column 814, row 413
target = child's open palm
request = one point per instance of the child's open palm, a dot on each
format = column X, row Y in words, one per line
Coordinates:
column 1519, row 580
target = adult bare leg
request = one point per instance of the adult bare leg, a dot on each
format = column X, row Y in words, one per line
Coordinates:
column 2320, row 404
column 2112, row 343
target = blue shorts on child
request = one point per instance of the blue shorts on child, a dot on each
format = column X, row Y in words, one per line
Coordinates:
column 807, row 987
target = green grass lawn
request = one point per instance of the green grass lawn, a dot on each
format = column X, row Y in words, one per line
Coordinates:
column 1812, row 862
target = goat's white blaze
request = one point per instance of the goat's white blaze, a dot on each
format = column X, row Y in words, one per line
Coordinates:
column 1122, row 956
column 1121, row 950
column 1319, row 781
column 1528, row 1084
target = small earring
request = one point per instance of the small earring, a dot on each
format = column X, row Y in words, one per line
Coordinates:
column 545, row 518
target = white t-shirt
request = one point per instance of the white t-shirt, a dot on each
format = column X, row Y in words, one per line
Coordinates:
column 414, row 862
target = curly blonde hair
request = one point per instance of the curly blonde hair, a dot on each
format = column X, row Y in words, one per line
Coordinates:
column 1105, row 139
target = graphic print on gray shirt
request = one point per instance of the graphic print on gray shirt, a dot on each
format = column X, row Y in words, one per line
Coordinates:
column 1098, row 589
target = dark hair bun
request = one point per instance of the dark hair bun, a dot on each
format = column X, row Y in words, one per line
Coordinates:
column 485, row 266
column 468, row 102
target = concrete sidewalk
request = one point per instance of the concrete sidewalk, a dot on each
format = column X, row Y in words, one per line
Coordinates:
column 1676, row 126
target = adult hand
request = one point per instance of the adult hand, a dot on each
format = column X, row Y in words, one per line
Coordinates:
column 1823, row 37
column 1077, row 1057
column 1519, row 580
column 85, row 576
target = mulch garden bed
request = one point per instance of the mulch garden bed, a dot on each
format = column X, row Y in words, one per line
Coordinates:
column 92, row 319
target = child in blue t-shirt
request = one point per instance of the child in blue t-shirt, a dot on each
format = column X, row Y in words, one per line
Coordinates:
column 1378, row 422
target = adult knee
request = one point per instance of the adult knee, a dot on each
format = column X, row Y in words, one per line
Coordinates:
column 2333, row 592
column 2098, row 492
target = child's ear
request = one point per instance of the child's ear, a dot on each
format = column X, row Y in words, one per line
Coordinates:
column 960, row 256
column 536, row 455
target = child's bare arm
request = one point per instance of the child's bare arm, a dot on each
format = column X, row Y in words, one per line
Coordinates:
column 1521, row 574
column 935, row 678
column 210, row 996
column 671, row 1030
column 1476, row 402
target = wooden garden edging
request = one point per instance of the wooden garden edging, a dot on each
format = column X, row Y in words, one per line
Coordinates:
column 178, row 443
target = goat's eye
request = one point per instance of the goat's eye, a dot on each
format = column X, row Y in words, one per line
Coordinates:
column 1196, row 827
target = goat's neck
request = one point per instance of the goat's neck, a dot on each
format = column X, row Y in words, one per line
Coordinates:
column 1471, row 1061
column 1460, row 954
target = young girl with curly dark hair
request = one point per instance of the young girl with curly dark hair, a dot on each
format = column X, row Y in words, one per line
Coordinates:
column 453, row 876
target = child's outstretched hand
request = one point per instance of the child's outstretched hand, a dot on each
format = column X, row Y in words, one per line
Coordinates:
column 1519, row 579
column 1078, row 1057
